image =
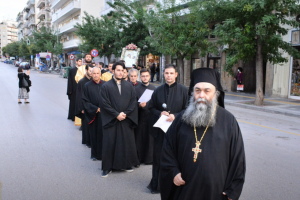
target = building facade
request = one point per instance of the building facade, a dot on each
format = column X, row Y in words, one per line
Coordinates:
column 43, row 15
column 8, row 33
column 65, row 15
column 30, row 18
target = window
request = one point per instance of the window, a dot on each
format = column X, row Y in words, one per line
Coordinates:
column 295, row 37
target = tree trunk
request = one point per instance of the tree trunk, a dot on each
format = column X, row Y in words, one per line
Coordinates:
column 108, row 58
column 180, row 70
column 259, row 98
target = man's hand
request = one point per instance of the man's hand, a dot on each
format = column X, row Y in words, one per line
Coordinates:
column 225, row 195
column 82, row 112
column 28, row 72
column 178, row 181
column 171, row 118
column 124, row 115
column 98, row 110
column 164, row 113
column 121, row 117
column 143, row 104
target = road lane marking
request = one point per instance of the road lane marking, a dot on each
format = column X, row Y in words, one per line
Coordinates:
column 283, row 102
column 275, row 129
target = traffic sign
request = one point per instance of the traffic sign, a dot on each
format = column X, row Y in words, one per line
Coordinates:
column 31, row 57
column 71, row 56
column 94, row 52
column 48, row 56
column 48, row 59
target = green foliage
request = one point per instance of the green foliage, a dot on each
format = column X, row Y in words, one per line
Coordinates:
column 12, row 49
column 244, row 21
column 24, row 50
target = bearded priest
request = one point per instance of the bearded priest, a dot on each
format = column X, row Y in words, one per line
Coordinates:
column 203, row 154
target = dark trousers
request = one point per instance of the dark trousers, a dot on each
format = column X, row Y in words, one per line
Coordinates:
column 152, row 76
column 157, row 76
column 157, row 148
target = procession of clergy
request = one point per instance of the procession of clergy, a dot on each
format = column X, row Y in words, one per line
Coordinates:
column 201, row 156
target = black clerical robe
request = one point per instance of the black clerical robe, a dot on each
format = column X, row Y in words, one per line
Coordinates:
column 91, row 101
column 176, row 99
column 119, row 150
column 143, row 140
column 136, row 84
column 220, row 167
column 71, row 92
column 78, row 111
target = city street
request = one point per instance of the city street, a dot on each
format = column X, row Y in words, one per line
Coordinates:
column 41, row 155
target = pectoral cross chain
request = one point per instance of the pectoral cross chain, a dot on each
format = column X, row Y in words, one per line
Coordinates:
column 196, row 150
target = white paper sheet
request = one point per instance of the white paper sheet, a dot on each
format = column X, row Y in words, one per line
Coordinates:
column 162, row 123
column 146, row 96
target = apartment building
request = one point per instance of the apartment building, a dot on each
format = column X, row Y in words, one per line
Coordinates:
column 43, row 16
column 20, row 23
column 8, row 33
column 65, row 15
column 30, row 18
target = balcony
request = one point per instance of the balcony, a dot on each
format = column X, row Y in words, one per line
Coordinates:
column 71, row 44
column 40, row 4
column 31, row 23
column 44, row 23
column 57, row 4
column 26, row 24
column 30, row 3
column 19, row 24
column 20, row 16
column 64, row 13
column 41, row 14
column 69, row 27
column 31, row 13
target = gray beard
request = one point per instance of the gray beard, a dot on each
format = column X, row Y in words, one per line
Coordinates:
column 199, row 114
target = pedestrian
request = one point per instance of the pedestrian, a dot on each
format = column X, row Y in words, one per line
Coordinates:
column 239, row 76
column 133, row 76
column 157, row 70
column 203, row 154
column 101, row 66
column 91, row 102
column 123, row 61
column 109, row 74
column 143, row 139
column 72, row 88
column 119, row 118
column 152, row 70
column 168, row 99
column 79, row 111
column 125, row 75
column 24, row 84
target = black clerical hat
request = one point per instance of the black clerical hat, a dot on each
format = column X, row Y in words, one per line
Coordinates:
column 210, row 76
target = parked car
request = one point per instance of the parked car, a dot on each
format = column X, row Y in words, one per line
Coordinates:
column 25, row 65
column 17, row 64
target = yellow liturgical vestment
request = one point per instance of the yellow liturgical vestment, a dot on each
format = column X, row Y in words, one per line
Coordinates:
column 79, row 75
column 106, row 76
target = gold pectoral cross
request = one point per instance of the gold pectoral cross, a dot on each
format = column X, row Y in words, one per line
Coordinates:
column 196, row 150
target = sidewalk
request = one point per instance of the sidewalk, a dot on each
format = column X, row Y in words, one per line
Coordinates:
column 289, row 107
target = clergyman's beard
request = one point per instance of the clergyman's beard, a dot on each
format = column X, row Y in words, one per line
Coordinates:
column 88, row 62
column 199, row 114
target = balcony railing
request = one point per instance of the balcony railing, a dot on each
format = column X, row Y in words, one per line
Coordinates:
column 30, row 3
column 58, row 3
column 31, row 13
column 41, row 14
column 19, row 24
column 31, row 23
column 71, row 44
column 62, row 14
column 69, row 27
column 40, row 4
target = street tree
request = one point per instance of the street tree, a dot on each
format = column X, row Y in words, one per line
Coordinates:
column 12, row 49
column 101, row 34
column 254, row 29
column 176, row 31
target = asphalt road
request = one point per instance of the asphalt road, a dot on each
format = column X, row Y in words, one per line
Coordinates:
column 41, row 155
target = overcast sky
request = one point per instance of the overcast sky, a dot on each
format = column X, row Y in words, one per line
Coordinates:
column 9, row 9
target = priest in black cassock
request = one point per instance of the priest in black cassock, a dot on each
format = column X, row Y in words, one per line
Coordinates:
column 91, row 102
column 169, row 99
column 119, row 115
column 79, row 111
column 203, row 154
column 133, row 77
column 143, row 139
column 72, row 88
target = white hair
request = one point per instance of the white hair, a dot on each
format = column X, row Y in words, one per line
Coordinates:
column 133, row 70
column 199, row 114
column 97, row 68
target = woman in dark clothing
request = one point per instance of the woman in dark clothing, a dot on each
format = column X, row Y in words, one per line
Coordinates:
column 152, row 69
column 23, row 90
column 157, row 72
column 239, row 76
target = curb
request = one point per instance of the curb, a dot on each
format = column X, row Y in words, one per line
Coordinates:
column 262, row 109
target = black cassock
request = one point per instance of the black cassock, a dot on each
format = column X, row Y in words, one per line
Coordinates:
column 220, row 167
column 176, row 99
column 91, row 101
column 143, row 140
column 71, row 92
column 136, row 84
column 78, row 111
column 119, row 150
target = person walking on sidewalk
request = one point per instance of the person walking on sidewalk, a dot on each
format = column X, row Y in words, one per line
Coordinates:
column 23, row 85
column 152, row 69
column 239, row 76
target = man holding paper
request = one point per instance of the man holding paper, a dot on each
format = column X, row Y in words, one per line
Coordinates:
column 143, row 140
column 169, row 100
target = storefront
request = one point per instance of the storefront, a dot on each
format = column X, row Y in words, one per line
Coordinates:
column 294, row 80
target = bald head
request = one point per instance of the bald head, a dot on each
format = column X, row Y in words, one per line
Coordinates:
column 96, row 74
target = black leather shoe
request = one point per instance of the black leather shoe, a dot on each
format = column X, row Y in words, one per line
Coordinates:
column 155, row 192
column 94, row 159
column 137, row 166
column 105, row 173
